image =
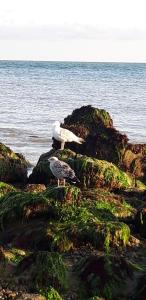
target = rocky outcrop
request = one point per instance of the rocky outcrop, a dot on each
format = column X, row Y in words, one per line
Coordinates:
column 13, row 166
column 103, row 141
column 41, row 172
column 90, row 171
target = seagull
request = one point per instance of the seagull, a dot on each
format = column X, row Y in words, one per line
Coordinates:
column 62, row 170
column 64, row 135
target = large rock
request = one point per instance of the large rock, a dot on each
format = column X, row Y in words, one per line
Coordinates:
column 90, row 171
column 103, row 141
column 106, row 276
column 13, row 166
column 43, row 270
column 58, row 219
column 41, row 172
column 17, row 206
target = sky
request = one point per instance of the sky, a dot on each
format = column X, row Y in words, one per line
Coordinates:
column 73, row 30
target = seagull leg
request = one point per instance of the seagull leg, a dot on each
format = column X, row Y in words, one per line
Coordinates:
column 62, row 145
column 63, row 182
column 58, row 183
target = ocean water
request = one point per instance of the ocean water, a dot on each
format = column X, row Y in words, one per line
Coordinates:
column 35, row 94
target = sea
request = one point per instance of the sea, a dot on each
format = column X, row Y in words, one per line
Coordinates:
column 35, row 94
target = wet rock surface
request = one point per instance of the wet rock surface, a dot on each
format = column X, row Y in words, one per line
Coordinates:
column 13, row 166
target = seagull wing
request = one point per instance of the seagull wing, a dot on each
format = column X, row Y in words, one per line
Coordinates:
column 67, row 135
column 63, row 170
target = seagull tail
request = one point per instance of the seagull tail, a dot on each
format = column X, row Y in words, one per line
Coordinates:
column 80, row 140
column 75, row 180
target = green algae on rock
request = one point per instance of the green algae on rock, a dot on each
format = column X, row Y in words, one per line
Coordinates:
column 95, row 125
column 91, row 172
column 64, row 194
column 103, row 201
column 35, row 188
column 66, row 223
column 45, row 269
column 41, row 172
column 99, row 173
column 101, row 235
column 17, row 206
column 51, row 294
column 5, row 188
column 13, row 166
column 105, row 276
column 103, row 141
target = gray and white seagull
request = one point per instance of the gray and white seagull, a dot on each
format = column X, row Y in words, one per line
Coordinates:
column 62, row 170
column 64, row 135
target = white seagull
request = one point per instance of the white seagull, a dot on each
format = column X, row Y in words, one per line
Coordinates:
column 62, row 170
column 64, row 135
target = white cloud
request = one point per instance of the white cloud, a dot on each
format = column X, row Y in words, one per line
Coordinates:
column 113, row 13
column 48, row 27
column 68, row 32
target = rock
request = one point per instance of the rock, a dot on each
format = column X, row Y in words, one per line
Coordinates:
column 27, row 296
column 103, row 141
column 102, row 235
column 90, row 171
column 13, row 166
column 22, row 206
column 42, row 270
column 68, row 194
column 109, row 202
column 33, row 236
column 62, row 219
column 96, row 127
column 5, row 188
column 100, row 173
column 101, row 275
column 35, row 188
column 25, row 206
column 41, row 172
column 140, row 221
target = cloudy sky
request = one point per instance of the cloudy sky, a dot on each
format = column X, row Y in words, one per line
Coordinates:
column 79, row 30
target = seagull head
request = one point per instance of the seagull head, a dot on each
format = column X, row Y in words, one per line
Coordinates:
column 52, row 159
column 56, row 124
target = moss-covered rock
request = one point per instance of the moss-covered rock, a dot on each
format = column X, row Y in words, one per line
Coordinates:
column 13, row 166
column 44, row 269
column 100, row 235
column 104, row 202
column 95, row 125
column 99, row 173
column 51, row 294
column 62, row 194
column 13, row 255
column 105, row 276
column 17, row 206
column 60, row 219
column 41, row 172
column 103, row 141
column 91, row 172
column 5, row 188
column 35, row 188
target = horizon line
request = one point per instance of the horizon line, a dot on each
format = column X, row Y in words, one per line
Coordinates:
column 73, row 61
